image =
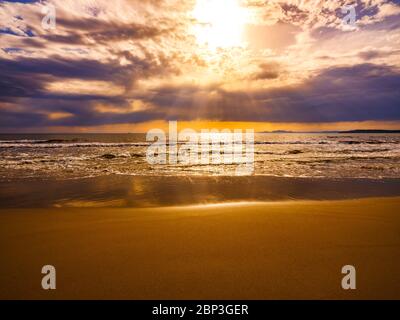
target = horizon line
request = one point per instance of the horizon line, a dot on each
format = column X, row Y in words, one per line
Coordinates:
column 273, row 131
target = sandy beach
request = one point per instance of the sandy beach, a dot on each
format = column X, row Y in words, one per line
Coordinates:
column 199, row 150
column 277, row 250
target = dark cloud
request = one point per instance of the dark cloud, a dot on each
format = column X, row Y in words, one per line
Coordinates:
column 92, row 30
column 28, row 76
column 359, row 93
column 25, row 99
column 267, row 71
column 375, row 54
column 294, row 13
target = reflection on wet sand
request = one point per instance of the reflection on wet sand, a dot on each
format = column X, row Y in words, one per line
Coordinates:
column 150, row 191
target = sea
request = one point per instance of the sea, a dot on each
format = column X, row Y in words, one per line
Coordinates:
column 112, row 170
column 71, row 156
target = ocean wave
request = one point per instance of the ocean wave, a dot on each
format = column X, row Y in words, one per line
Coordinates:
column 294, row 152
column 344, row 159
column 291, row 142
column 349, row 151
column 356, row 142
column 28, row 141
column 47, row 145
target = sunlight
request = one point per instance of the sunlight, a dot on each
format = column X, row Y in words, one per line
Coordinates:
column 220, row 23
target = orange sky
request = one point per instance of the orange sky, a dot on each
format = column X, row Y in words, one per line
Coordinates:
column 220, row 125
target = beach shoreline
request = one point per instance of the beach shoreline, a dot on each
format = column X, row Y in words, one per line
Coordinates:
column 163, row 191
column 270, row 250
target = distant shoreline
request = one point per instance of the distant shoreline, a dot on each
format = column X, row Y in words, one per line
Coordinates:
column 336, row 132
column 357, row 131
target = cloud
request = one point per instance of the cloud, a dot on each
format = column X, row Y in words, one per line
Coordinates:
column 267, row 71
column 130, row 61
column 331, row 96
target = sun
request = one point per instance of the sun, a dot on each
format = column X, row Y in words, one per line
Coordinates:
column 219, row 23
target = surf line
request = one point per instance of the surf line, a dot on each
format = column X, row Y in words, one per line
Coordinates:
column 189, row 147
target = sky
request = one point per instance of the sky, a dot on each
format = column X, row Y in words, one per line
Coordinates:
column 133, row 65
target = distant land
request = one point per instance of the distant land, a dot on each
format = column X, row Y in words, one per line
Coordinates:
column 350, row 131
column 371, row 131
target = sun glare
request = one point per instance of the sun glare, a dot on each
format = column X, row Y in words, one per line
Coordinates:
column 220, row 23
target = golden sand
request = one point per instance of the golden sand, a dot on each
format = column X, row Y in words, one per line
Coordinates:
column 282, row 250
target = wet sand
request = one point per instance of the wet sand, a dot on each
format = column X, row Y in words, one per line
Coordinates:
column 276, row 250
column 163, row 191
